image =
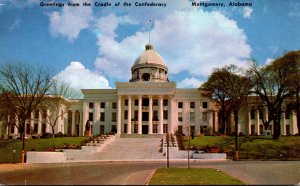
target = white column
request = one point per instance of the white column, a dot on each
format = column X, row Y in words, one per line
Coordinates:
column 140, row 116
column 84, row 118
column 249, row 121
column 40, row 123
column 119, row 110
column 160, row 114
column 283, row 124
column 293, row 123
column 48, row 128
column 96, row 122
column 73, row 122
column 257, row 122
column 17, row 124
column 129, row 116
column 170, row 116
column 150, row 131
column 80, row 120
column 32, row 122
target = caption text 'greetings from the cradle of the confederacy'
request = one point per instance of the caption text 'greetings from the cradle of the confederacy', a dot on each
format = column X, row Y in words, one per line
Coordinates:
column 140, row 4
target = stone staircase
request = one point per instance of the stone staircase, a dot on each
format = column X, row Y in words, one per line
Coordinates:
column 130, row 147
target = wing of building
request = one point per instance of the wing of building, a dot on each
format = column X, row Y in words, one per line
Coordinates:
column 149, row 103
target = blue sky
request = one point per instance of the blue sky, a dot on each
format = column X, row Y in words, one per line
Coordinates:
column 93, row 47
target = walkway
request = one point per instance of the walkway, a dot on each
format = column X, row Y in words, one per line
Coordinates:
column 131, row 149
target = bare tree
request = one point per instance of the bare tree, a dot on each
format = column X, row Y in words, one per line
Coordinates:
column 57, row 102
column 24, row 87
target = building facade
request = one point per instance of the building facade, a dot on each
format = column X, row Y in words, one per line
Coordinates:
column 149, row 103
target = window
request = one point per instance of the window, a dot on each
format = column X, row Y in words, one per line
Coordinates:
column 165, row 114
column 192, row 116
column 114, row 105
column 136, row 113
column 192, row 104
column 165, row 129
column 155, row 130
column 102, row 116
column 155, row 102
column 12, row 128
column 113, row 116
column 261, row 129
column 136, row 102
column 287, row 129
column 125, row 114
column 179, row 116
column 35, row 128
column 114, row 128
column 287, row 114
column 204, row 104
column 102, row 129
column 155, row 115
column 102, row 105
column 126, row 102
column 125, row 128
column 91, row 116
column 165, row 102
column 180, row 104
column 252, row 114
column 43, row 128
column 179, row 130
column 261, row 114
column 145, row 102
column 135, row 128
column 91, row 105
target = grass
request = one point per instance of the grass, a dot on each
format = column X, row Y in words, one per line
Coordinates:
column 251, row 147
column 6, row 150
column 193, row 176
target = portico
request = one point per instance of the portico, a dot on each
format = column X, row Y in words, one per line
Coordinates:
column 142, row 106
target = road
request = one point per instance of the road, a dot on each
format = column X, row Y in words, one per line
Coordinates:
column 133, row 173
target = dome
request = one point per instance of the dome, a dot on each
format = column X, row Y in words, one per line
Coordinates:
column 149, row 56
column 149, row 66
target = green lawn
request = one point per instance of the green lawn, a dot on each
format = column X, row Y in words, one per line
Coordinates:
column 6, row 150
column 251, row 147
column 193, row 176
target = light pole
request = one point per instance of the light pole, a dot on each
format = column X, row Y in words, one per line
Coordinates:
column 168, row 150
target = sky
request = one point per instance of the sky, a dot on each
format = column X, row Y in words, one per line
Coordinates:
column 95, row 46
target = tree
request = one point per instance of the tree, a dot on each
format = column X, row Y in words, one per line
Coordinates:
column 272, row 84
column 293, row 57
column 229, row 89
column 24, row 87
column 57, row 103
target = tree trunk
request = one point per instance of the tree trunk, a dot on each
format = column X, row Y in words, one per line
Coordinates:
column 236, row 121
column 223, row 122
column 277, row 130
column 52, row 132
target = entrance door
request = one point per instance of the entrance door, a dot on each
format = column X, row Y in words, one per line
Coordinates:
column 145, row 129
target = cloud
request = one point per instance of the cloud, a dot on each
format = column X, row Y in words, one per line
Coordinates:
column 70, row 21
column 195, row 41
column 189, row 83
column 268, row 61
column 82, row 78
column 247, row 12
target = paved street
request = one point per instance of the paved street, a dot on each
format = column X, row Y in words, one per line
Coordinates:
column 251, row 172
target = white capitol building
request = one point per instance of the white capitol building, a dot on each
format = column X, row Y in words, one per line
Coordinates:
column 149, row 104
